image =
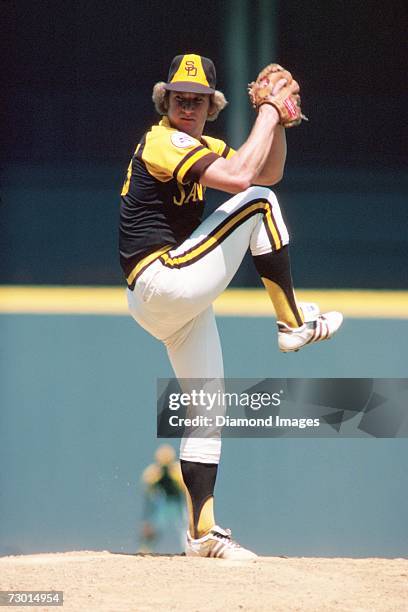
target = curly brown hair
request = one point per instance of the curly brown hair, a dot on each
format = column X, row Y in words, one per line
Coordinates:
column 160, row 98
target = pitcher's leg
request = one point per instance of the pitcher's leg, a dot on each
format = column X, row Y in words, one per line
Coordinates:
column 207, row 261
column 195, row 352
column 275, row 271
column 195, row 349
column 185, row 281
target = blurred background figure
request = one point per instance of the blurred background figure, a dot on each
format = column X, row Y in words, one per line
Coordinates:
column 164, row 519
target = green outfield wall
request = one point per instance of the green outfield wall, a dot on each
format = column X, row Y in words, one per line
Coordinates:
column 77, row 427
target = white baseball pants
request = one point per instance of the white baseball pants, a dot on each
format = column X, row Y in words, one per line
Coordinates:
column 173, row 297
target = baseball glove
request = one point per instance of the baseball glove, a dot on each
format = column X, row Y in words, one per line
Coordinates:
column 285, row 99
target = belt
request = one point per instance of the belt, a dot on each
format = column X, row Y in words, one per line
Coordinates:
column 141, row 265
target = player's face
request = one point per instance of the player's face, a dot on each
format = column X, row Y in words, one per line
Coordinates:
column 188, row 112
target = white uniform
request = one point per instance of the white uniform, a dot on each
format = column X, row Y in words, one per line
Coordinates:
column 172, row 298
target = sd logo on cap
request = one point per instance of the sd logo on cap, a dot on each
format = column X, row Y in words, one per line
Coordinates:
column 192, row 73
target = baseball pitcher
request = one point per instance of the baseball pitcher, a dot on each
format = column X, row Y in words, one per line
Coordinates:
column 176, row 265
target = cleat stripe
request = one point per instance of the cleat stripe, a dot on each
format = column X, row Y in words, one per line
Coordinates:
column 318, row 331
column 218, row 548
column 321, row 329
column 313, row 336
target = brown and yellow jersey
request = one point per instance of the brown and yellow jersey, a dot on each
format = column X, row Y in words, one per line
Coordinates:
column 162, row 198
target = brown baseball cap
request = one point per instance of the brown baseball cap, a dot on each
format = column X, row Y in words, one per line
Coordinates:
column 192, row 73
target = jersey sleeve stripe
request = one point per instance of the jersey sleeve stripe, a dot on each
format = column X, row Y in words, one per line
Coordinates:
column 225, row 152
column 187, row 164
column 197, row 169
column 185, row 160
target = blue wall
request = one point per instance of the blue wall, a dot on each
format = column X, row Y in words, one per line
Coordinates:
column 77, row 426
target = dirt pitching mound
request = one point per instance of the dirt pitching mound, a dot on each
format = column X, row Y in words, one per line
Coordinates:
column 103, row 581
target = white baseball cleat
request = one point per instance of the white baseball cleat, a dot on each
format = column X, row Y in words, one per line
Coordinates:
column 218, row 543
column 316, row 328
column 310, row 311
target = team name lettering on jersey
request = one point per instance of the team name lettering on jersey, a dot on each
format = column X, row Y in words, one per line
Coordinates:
column 196, row 194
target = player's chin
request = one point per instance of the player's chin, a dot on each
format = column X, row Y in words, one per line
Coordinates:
column 188, row 120
column 188, row 125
